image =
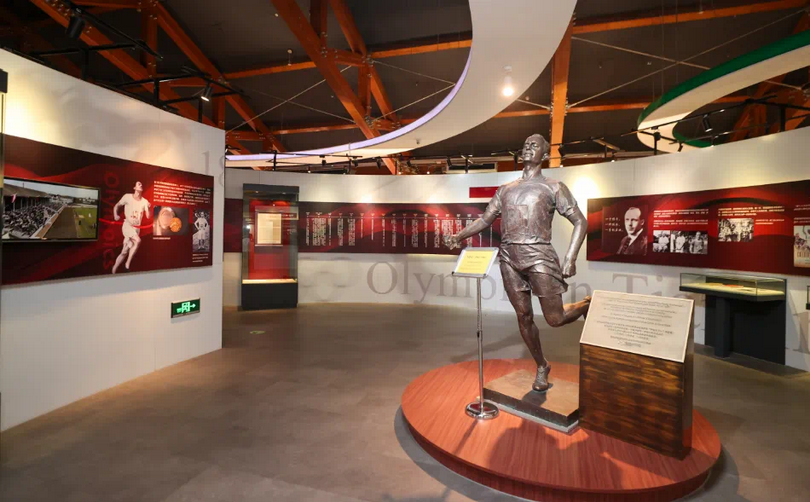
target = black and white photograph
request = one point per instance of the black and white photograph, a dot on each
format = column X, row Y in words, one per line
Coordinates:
column 735, row 230
column 689, row 242
column 201, row 240
column 661, row 240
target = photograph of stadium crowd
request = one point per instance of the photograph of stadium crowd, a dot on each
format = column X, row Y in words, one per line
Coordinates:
column 735, row 229
column 38, row 211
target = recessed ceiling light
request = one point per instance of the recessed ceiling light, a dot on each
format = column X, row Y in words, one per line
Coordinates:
column 508, row 88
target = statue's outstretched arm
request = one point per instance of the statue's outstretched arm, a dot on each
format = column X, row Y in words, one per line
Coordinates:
column 474, row 228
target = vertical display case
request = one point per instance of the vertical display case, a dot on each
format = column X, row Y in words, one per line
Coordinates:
column 269, row 247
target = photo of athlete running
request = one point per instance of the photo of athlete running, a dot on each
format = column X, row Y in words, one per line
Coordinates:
column 135, row 207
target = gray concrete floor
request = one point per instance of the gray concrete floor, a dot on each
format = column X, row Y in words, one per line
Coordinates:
column 303, row 405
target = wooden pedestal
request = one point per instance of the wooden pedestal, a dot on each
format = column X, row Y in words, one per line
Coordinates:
column 639, row 399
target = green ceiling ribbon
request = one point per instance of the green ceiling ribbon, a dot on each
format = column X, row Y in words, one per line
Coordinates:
column 783, row 46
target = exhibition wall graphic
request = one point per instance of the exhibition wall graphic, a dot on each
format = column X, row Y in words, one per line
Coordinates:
column 759, row 228
column 139, row 217
column 338, row 227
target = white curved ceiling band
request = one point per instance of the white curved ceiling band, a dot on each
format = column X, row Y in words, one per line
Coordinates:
column 789, row 54
column 523, row 34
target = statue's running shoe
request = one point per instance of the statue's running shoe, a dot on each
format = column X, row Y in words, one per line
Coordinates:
column 541, row 380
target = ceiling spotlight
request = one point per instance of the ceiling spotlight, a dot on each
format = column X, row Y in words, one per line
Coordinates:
column 508, row 88
column 309, row 169
column 206, row 95
column 323, row 162
column 409, row 163
column 379, row 163
column 467, row 165
column 275, row 154
column 449, row 163
column 707, row 126
column 680, row 146
column 75, row 26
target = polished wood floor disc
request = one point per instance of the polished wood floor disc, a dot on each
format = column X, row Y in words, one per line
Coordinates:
column 523, row 458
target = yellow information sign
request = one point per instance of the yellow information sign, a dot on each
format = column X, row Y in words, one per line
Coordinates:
column 475, row 262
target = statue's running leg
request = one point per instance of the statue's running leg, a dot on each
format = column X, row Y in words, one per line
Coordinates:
column 557, row 314
column 522, row 303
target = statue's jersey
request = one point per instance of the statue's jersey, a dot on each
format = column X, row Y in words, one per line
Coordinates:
column 527, row 207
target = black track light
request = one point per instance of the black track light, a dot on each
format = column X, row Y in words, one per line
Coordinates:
column 467, row 165
column 309, row 169
column 707, row 126
column 275, row 154
column 323, row 163
column 515, row 159
column 206, row 95
column 75, row 26
column 449, row 163
column 379, row 163
column 409, row 163
column 680, row 146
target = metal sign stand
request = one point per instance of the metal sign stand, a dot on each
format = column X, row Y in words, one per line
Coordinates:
column 479, row 409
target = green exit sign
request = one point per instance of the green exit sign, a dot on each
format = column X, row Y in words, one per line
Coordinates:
column 179, row 309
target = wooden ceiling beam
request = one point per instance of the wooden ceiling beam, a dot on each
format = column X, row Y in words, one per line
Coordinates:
column 352, row 34
column 309, row 40
column 422, row 48
column 685, row 15
column 559, row 96
column 318, row 17
column 92, row 10
column 594, row 25
column 111, row 4
column 196, row 55
column 600, row 106
column 59, row 12
column 149, row 34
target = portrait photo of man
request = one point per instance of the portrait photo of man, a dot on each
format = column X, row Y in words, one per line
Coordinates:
column 635, row 242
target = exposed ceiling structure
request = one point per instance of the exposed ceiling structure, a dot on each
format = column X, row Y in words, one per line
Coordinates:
column 342, row 71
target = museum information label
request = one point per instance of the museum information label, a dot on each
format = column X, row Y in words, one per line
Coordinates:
column 652, row 326
column 147, row 218
column 762, row 228
column 475, row 262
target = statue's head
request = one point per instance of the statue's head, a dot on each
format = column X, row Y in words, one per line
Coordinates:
column 535, row 149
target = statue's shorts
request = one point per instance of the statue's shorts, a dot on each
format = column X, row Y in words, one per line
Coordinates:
column 532, row 267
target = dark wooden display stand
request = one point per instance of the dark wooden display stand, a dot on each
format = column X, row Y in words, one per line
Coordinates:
column 749, row 325
column 643, row 400
column 269, row 296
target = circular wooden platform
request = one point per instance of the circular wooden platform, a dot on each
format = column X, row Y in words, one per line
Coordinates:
column 532, row 461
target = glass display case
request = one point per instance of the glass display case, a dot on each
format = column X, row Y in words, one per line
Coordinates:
column 744, row 287
column 269, row 247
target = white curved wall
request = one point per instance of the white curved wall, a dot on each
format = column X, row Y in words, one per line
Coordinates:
column 61, row 341
column 390, row 278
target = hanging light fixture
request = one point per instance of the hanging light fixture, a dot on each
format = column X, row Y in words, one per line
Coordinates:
column 379, row 163
column 707, row 126
column 508, row 89
column 75, row 26
column 206, row 95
